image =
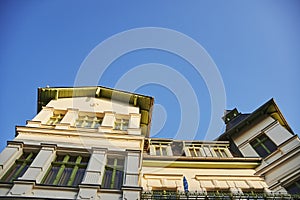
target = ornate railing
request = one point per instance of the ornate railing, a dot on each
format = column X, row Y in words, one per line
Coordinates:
column 215, row 195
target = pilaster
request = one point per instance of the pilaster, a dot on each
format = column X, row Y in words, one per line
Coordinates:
column 93, row 174
column 8, row 156
column 43, row 116
column 40, row 164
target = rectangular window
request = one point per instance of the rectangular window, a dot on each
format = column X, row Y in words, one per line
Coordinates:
column 88, row 121
column 263, row 145
column 121, row 124
column 55, row 118
column 19, row 167
column 294, row 188
column 66, row 170
column 114, row 172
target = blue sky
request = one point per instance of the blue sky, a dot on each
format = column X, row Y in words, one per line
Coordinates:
column 254, row 44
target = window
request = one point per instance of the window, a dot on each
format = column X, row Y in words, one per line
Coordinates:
column 114, row 172
column 294, row 188
column 55, row 118
column 66, row 170
column 263, row 145
column 121, row 124
column 19, row 168
column 86, row 121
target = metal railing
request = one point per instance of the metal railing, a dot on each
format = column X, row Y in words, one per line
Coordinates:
column 215, row 195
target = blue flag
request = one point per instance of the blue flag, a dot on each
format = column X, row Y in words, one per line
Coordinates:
column 185, row 185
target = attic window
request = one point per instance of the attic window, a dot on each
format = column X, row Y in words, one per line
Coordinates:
column 121, row 124
column 56, row 118
column 88, row 121
column 263, row 145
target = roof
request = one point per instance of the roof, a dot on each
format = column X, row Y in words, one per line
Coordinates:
column 270, row 108
column 145, row 103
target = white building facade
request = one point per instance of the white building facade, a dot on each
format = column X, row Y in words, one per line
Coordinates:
column 93, row 143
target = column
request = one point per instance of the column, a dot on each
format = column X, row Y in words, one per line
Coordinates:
column 69, row 119
column 108, row 122
column 24, row 185
column 131, row 189
column 9, row 155
column 134, row 124
column 38, row 168
column 93, row 175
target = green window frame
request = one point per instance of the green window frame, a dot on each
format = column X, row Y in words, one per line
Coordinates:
column 121, row 124
column 19, row 167
column 114, row 172
column 66, row 170
column 263, row 145
column 55, row 118
column 87, row 121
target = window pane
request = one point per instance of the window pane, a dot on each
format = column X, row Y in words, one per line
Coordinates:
column 120, row 162
column 20, row 167
column 121, row 124
column 113, row 176
column 86, row 121
column 261, row 151
column 51, row 175
column 270, row 145
column 55, row 119
column 60, row 158
column 263, row 145
column 107, row 178
column 9, row 175
column 79, row 176
column 118, row 179
column 65, row 176
column 62, row 169
column 294, row 188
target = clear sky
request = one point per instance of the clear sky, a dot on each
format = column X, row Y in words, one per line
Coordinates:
column 255, row 46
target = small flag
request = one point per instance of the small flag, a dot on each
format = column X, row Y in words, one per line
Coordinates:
column 185, row 185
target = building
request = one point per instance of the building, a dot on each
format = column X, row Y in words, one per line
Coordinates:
column 93, row 143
